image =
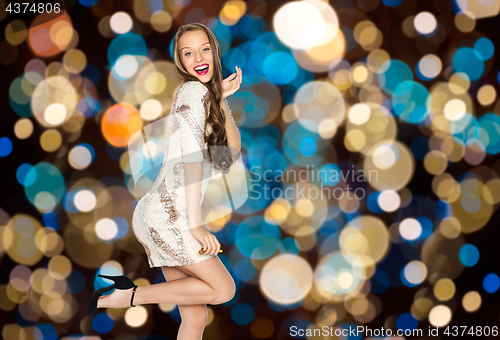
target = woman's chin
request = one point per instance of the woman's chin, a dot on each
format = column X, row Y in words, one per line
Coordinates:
column 203, row 78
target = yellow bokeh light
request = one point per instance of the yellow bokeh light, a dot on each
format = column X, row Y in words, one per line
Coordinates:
column 305, row 24
column 136, row 317
column 410, row 229
column 161, row 21
column 435, row 162
column 232, row 12
column 465, row 22
column 471, row 301
column 486, row 95
column 440, row 316
column 389, row 200
column 60, row 267
column 23, row 128
column 415, row 272
column 355, row 140
column 74, row 61
column 106, row 229
column 455, row 109
column 50, row 140
column 365, row 236
column 425, row 23
column 121, row 22
column 444, row 289
column 286, row 278
column 359, row 114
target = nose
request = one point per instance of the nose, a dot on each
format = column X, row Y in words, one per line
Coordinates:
column 198, row 58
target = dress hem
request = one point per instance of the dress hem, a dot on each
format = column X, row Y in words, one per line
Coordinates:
column 183, row 265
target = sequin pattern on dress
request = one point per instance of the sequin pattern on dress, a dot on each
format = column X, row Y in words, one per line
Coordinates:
column 180, row 255
column 229, row 110
column 197, row 131
column 168, row 201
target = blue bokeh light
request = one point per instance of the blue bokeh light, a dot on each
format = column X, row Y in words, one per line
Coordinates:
column 88, row 3
column 484, row 47
column 406, row 321
column 468, row 61
column 26, row 174
column 5, row 146
column 491, row 283
column 102, row 323
column 45, row 331
column 242, row 313
column 468, row 255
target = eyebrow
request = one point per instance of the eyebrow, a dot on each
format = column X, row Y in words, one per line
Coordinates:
column 208, row 42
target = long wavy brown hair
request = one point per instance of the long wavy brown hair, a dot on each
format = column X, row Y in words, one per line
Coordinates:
column 217, row 120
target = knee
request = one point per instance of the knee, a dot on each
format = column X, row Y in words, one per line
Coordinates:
column 225, row 295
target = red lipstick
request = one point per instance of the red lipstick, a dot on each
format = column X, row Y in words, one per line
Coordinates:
column 202, row 69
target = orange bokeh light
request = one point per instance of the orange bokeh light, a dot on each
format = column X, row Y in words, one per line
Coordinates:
column 119, row 122
column 43, row 36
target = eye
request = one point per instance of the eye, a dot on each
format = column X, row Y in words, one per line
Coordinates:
column 187, row 53
column 208, row 48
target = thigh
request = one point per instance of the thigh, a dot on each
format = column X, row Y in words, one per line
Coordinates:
column 213, row 272
column 173, row 273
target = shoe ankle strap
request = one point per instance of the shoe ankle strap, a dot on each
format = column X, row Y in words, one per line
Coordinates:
column 132, row 299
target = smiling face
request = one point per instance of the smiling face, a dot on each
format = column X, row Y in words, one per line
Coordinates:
column 196, row 55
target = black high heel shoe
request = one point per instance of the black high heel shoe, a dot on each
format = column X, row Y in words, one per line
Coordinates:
column 120, row 282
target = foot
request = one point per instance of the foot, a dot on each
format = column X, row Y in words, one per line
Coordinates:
column 120, row 298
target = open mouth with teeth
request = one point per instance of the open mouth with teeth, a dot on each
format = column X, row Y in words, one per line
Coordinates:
column 202, row 70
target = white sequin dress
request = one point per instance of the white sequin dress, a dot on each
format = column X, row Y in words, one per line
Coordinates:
column 160, row 221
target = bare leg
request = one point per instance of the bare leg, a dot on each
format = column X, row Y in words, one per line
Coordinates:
column 194, row 317
column 208, row 282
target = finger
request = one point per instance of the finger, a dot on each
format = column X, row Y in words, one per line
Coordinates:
column 208, row 247
column 218, row 247
column 204, row 244
column 214, row 245
column 211, row 245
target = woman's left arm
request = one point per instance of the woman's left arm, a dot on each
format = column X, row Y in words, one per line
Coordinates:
column 233, row 134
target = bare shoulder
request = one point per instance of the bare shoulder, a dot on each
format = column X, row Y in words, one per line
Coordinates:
column 192, row 90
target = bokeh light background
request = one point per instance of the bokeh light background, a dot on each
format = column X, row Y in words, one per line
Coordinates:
column 405, row 88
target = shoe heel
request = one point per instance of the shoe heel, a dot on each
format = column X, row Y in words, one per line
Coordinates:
column 121, row 282
column 95, row 297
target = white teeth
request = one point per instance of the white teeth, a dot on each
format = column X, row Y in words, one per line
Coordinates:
column 201, row 68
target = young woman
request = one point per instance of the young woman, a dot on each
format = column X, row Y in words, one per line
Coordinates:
column 167, row 219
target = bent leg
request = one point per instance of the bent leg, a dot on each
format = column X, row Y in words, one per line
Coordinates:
column 215, row 275
column 194, row 317
column 208, row 282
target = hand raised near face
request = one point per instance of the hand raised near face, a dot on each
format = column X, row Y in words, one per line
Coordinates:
column 230, row 85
